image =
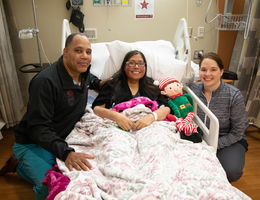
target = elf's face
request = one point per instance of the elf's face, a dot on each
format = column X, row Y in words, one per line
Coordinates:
column 172, row 89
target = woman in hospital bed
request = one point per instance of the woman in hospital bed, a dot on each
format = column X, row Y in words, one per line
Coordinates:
column 130, row 82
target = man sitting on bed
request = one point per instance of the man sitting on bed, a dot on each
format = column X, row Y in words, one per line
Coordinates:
column 58, row 97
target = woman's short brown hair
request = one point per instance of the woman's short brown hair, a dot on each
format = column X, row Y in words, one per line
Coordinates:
column 213, row 56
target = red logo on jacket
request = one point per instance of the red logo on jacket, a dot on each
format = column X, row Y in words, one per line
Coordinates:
column 70, row 98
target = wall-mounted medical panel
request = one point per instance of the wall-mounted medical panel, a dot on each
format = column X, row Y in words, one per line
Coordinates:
column 112, row 2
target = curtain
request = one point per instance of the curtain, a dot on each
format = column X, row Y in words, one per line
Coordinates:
column 245, row 62
column 11, row 101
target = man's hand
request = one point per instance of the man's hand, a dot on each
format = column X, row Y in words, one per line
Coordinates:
column 78, row 161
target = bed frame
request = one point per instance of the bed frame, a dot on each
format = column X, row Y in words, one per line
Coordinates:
column 182, row 47
column 209, row 135
column 181, row 43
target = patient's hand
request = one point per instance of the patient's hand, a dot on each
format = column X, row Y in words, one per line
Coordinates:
column 143, row 122
column 124, row 122
column 78, row 161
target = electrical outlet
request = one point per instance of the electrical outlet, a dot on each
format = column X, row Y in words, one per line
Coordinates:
column 91, row 33
column 201, row 31
column 198, row 2
column 198, row 54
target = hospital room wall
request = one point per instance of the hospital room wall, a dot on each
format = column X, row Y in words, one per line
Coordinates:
column 112, row 23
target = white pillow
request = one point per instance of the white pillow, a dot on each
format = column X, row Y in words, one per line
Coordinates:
column 100, row 55
column 160, row 57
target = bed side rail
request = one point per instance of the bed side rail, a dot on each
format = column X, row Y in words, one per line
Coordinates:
column 209, row 135
column 65, row 33
column 181, row 41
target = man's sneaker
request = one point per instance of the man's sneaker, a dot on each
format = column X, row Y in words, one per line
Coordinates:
column 10, row 166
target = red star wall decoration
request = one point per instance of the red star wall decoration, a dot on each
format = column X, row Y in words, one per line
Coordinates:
column 144, row 4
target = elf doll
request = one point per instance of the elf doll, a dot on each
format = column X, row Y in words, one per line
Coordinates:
column 182, row 107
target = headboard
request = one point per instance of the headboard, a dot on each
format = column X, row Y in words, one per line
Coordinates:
column 181, row 41
column 65, row 33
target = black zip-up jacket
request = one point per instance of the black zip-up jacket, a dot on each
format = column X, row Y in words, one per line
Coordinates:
column 55, row 105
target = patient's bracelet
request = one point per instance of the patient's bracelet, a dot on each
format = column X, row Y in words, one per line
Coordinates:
column 155, row 115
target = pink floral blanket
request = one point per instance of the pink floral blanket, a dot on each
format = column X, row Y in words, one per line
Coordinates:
column 152, row 163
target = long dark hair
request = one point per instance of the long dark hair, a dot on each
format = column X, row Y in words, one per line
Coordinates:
column 145, row 83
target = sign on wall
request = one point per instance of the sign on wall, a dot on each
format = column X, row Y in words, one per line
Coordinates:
column 144, row 9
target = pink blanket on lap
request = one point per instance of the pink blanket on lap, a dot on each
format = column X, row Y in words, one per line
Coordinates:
column 153, row 105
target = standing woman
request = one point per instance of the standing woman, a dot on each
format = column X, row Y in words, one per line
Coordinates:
column 130, row 82
column 228, row 104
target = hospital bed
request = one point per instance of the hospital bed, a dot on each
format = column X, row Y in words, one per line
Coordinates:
column 153, row 163
column 165, row 59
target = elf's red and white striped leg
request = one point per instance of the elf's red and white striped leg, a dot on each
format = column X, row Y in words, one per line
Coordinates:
column 179, row 124
column 189, row 129
column 188, row 118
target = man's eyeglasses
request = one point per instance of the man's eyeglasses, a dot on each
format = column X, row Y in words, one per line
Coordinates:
column 133, row 64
